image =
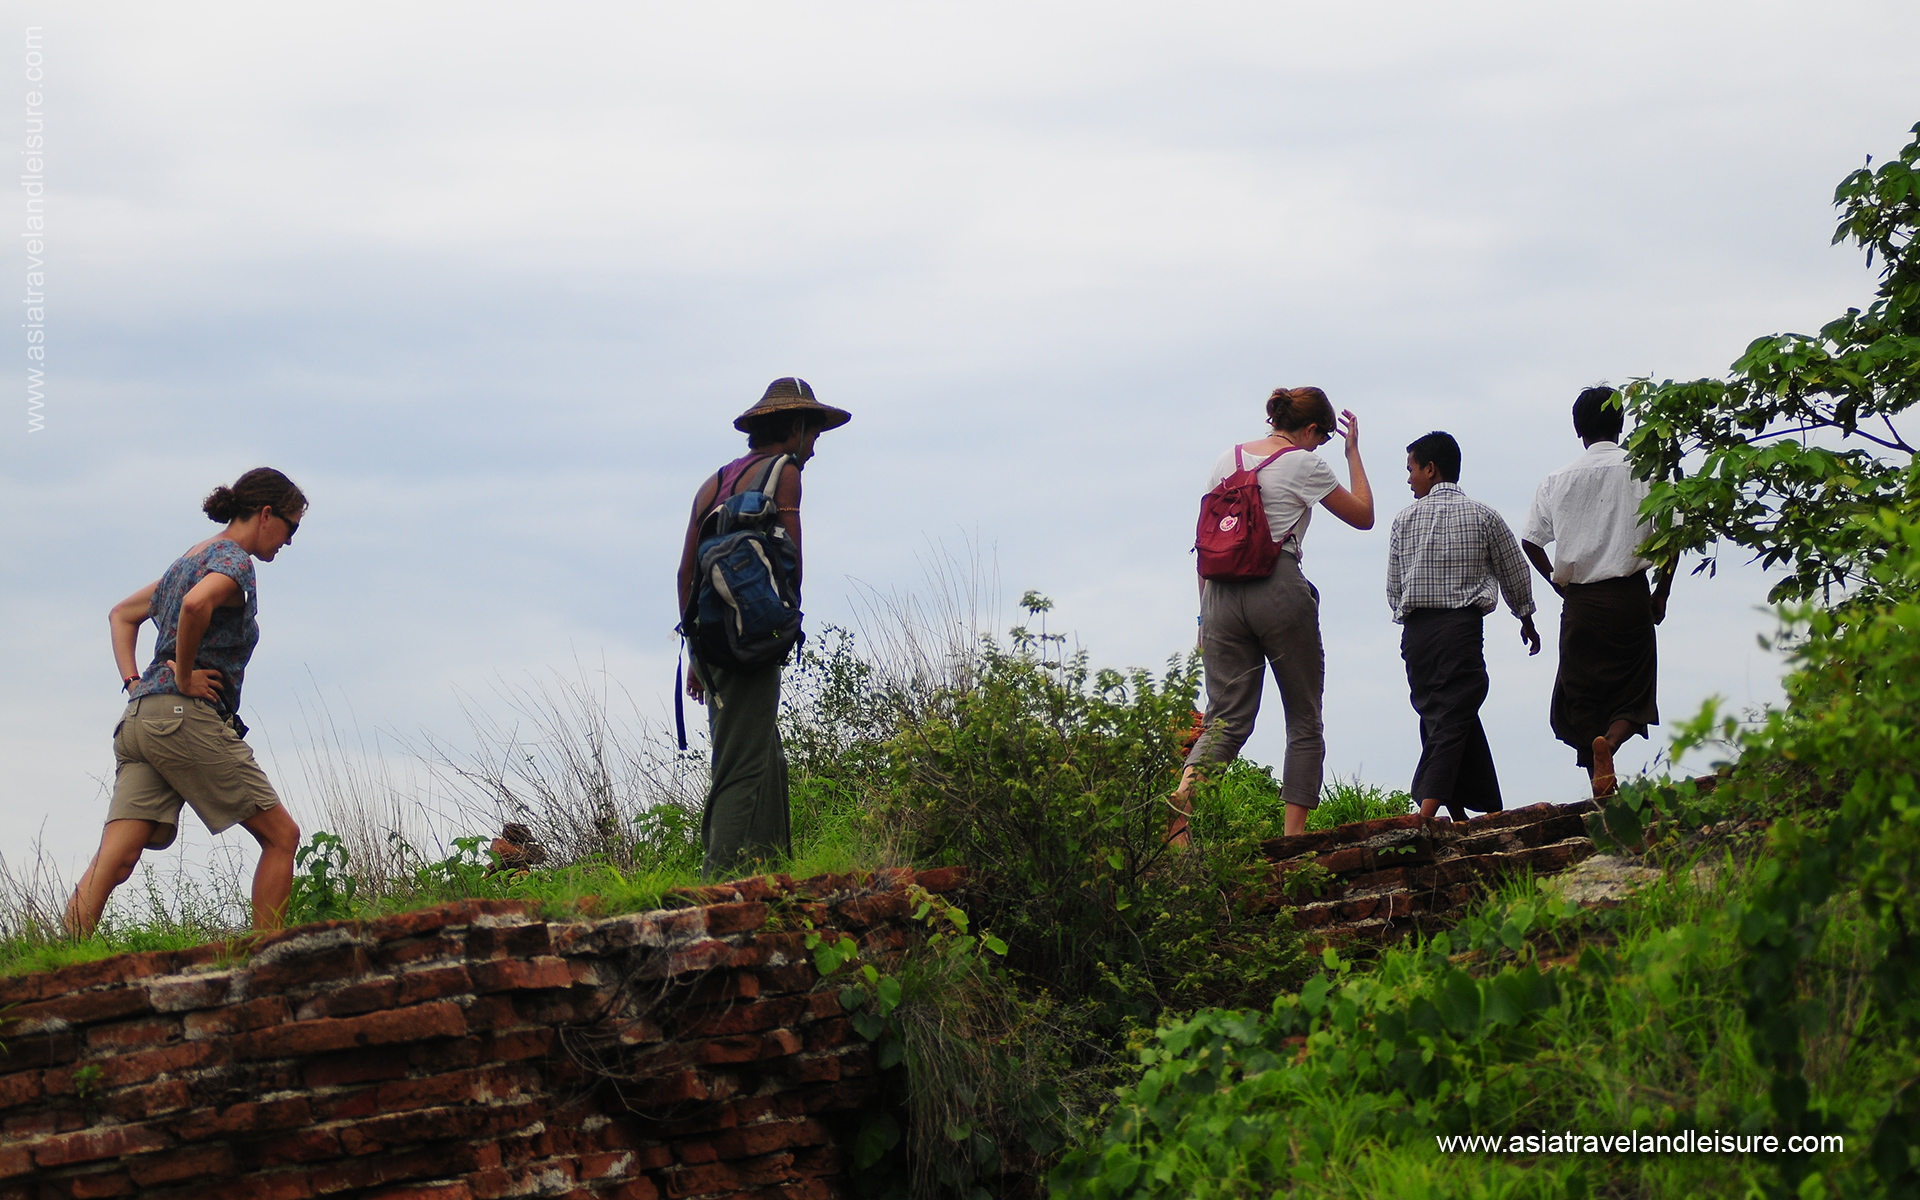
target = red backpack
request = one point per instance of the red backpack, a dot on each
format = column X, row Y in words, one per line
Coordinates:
column 1234, row 542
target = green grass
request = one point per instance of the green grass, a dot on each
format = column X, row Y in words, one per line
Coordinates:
column 830, row 831
column 1241, row 802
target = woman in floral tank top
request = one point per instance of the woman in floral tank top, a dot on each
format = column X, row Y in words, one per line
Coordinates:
column 179, row 742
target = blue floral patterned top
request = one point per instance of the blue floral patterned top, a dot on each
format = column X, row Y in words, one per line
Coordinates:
column 231, row 634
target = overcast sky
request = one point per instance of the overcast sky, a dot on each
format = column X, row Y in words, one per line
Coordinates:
column 492, row 281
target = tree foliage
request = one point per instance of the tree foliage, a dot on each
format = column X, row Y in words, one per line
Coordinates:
column 1800, row 442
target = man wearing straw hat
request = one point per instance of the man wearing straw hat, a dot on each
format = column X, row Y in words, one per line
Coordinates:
column 746, row 812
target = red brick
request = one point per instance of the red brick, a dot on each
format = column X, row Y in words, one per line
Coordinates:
column 119, row 1070
column 541, row 1178
column 768, row 1136
column 237, row 1018
column 19, row 1088
column 347, row 1106
column 438, row 1162
column 874, row 909
column 941, row 879
column 463, row 1087
column 813, row 1069
column 765, row 1170
column 139, row 1103
column 514, row 974
column 298, row 1146
column 411, row 951
column 700, row 1181
column 184, row 995
column 687, row 925
column 432, row 983
column 518, row 1045
column 91, row 1145
column 796, row 978
column 635, row 1189
column 351, row 1000
column 98, row 1184
column 1282, row 848
column 326, row 964
column 33, row 1124
column 826, row 1006
column 637, row 1031
column 700, row 956
column 190, row 1162
column 669, row 1089
column 744, row 1048
column 355, row 1066
column 880, row 941
column 150, row 1032
column 413, row 924
column 605, row 1166
column 492, row 1012
column 282, row 1185
column 746, row 1018
column 373, row 1029
column 779, row 1044
column 422, row 1191
column 715, row 989
column 20, row 1052
column 438, row 1124
column 723, row 919
column 87, row 1008
column 249, row 1117
column 15, row 1160
column 509, row 941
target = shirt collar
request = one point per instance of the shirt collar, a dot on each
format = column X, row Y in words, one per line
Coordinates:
column 1444, row 486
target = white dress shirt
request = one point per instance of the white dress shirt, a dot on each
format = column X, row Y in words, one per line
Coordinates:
column 1589, row 512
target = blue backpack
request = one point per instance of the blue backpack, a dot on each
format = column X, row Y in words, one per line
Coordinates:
column 745, row 610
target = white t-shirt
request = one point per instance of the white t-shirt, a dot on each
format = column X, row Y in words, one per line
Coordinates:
column 1289, row 488
column 1589, row 512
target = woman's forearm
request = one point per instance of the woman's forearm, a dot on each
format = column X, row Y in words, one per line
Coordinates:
column 123, row 623
column 186, row 639
column 1361, row 489
column 126, row 644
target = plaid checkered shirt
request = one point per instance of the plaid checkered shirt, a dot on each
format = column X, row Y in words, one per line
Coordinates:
column 1448, row 551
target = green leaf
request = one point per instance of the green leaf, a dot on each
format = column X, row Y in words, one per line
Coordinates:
column 878, row 1134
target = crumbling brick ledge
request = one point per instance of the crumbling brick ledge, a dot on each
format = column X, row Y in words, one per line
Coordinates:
column 474, row 1050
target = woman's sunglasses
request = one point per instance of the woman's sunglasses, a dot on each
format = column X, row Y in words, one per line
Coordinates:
column 292, row 525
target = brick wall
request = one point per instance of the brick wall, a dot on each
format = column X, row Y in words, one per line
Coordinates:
column 472, row 1050
column 1398, row 874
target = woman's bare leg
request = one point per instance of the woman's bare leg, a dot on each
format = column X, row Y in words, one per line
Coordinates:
column 279, row 837
column 1297, row 819
column 120, row 845
column 1182, row 802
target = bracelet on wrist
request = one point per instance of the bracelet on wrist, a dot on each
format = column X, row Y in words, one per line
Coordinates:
column 126, row 685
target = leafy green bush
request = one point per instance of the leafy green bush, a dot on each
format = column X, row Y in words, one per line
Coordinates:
column 1051, row 781
column 1730, row 458
column 1850, row 732
column 1532, row 1018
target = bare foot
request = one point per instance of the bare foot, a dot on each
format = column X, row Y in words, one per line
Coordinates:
column 1604, row 783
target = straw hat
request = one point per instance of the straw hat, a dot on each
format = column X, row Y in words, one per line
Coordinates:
column 786, row 395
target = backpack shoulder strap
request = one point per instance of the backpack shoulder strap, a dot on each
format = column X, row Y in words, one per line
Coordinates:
column 1269, row 460
column 770, row 477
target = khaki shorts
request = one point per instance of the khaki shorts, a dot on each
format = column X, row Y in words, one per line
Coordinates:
column 171, row 750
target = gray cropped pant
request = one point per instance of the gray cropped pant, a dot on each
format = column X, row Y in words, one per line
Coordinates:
column 1244, row 629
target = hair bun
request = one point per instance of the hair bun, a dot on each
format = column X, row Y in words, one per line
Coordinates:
column 221, row 504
